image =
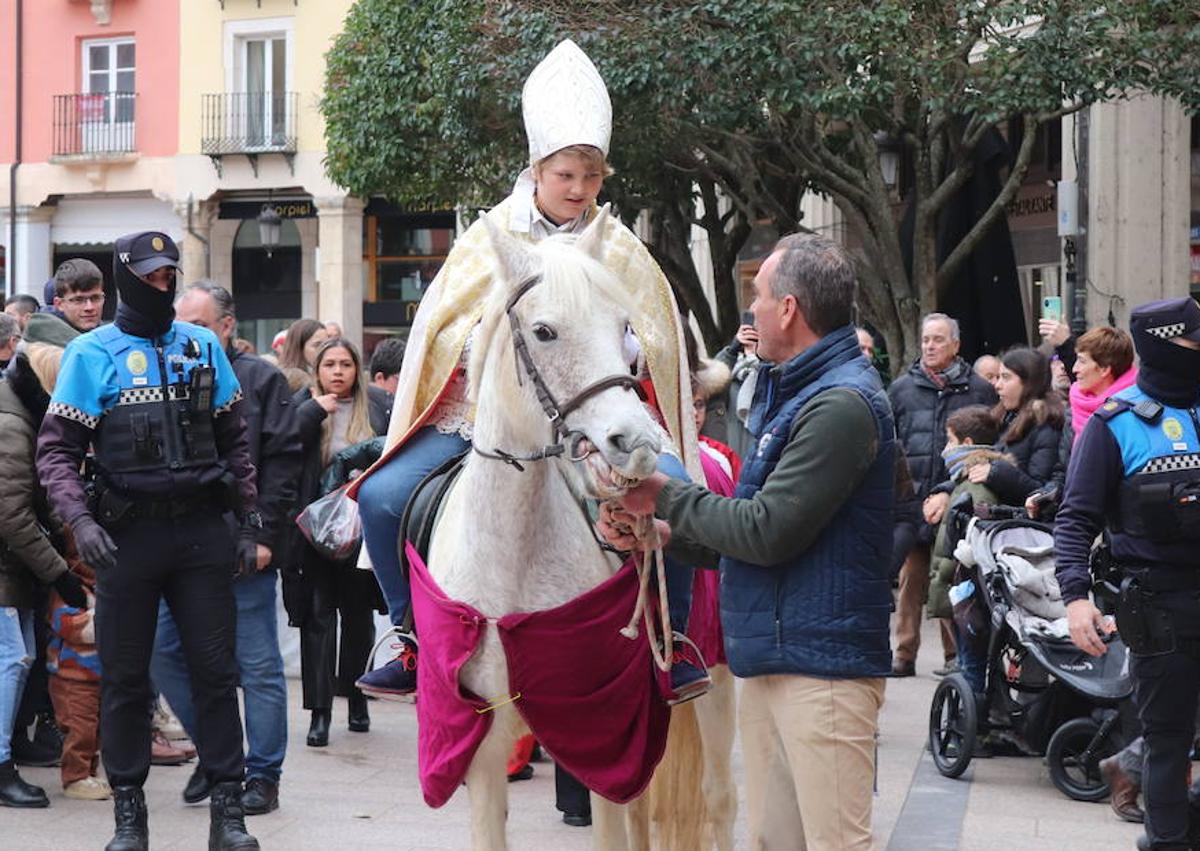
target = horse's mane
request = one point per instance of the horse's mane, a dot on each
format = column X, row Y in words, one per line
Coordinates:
column 569, row 277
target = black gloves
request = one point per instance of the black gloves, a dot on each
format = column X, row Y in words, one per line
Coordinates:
column 245, row 559
column 70, row 588
column 93, row 543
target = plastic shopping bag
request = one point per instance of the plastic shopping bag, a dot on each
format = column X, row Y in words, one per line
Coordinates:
column 332, row 526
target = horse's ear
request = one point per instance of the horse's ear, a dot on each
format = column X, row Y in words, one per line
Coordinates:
column 591, row 241
column 516, row 261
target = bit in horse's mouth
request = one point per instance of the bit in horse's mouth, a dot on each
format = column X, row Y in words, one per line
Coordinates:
column 607, row 480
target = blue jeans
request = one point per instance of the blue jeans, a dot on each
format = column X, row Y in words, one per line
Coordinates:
column 381, row 503
column 17, row 651
column 972, row 662
column 260, row 674
column 383, row 497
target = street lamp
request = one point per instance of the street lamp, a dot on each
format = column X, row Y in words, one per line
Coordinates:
column 269, row 222
column 889, row 157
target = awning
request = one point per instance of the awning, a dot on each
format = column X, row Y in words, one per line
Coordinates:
column 99, row 221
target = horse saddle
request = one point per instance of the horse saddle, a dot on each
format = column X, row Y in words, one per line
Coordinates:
column 424, row 508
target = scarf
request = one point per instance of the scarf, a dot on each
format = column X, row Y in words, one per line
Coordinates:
column 144, row 311
column 1084, row 404
column 956, row 458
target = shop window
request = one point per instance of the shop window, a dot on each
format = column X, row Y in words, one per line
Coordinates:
column 402, row 255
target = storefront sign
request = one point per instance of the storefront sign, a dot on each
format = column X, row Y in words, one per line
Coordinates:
column 1034, row 207
column 251, row 209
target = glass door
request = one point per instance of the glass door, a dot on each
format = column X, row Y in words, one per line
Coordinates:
column 105, row 113
column 265, row 84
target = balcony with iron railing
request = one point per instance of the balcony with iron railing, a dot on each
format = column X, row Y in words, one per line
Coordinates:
column 248, row 124
column 94, row 126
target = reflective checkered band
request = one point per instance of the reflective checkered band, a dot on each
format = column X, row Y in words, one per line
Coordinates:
column 69, row 412
column 1172, row 463
column 228, row 406
column 142, row 395
column 1167, row 332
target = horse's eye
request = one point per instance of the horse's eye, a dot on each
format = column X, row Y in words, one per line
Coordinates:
column 544, row 333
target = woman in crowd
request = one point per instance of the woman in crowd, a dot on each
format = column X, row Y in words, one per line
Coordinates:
column 1031, row 420
column 28, row 556
column 331, row 416
column 1103, row 366
column 304, row 339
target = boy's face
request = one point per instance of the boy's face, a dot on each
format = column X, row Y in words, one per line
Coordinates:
column 952, row 441
column 567, row 185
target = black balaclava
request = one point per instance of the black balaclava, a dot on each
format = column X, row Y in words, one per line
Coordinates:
column 1167, row 372
column 144, row 311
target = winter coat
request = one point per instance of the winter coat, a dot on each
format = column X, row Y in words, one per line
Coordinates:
column 941, row 566
column 27, row 554
column 1037, row 462
column 921, row 409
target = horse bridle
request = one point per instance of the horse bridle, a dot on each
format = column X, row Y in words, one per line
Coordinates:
column 555, row 413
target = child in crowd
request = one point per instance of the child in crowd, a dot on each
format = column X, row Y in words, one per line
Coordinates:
column 74, row 669
column 970, row 435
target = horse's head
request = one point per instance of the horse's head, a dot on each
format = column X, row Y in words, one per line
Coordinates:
column 571, row 316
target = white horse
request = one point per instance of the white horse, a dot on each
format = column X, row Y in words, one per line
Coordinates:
column 571, row 315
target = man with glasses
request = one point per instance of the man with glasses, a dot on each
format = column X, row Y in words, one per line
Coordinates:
column 79, row 293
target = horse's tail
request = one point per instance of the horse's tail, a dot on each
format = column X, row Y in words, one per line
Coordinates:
column 677, row 810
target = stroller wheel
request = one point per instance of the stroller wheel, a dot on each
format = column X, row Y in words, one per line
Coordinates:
column 953, row 725
column 1073, row 757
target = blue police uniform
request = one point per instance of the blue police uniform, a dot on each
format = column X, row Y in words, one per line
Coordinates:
column 158, row 402
column 1136, row 472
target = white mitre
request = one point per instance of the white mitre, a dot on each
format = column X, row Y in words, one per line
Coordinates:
column 564, row 102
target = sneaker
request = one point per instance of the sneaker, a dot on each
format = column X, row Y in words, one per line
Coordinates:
column 689, row 675
column 398, row 677
column 88, row 789
column 165, row 722
column 163, row 752
column 951, row 667
column 44, row 750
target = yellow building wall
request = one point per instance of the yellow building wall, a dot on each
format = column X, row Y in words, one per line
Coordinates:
column 202, row 59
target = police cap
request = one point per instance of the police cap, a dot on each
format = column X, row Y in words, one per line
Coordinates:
column 1167, row 319
column 146, row 251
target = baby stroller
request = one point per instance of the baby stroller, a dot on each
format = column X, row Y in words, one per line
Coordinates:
column 1039, row 689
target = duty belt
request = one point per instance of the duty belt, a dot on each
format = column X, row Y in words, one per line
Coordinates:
column 1163, row 580
column 170, row 508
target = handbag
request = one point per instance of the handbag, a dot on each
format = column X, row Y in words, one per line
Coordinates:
column 331, row 525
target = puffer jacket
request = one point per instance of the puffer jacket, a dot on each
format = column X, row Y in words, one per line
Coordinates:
column 1037, row 462
column 941, row 567
column 27, row 554
column 920, row 408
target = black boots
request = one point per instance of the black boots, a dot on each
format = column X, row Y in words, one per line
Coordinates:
column 129, row 807
column 260, row 796
column 227, row 821
column 198, row 787
column 359, row 719
column 15, row 792
column 318, row 729
column 44, row 750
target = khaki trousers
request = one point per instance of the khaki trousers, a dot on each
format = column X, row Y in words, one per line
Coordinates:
column 809, row 747
column 910, row 600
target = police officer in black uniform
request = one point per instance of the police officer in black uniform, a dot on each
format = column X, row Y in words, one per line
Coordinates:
column 1136, row 471
column 160, row 404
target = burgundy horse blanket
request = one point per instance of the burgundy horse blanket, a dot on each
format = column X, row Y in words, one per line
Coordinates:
column 588, row 693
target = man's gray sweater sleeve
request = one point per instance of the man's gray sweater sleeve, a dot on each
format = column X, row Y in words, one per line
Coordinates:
column 833, row 442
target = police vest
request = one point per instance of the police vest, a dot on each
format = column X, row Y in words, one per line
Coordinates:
column 163, row 417
column 1159, row 498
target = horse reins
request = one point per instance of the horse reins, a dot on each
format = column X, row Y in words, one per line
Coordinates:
column 555, row 413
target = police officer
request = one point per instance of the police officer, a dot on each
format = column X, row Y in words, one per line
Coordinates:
column 1136, row 470
column 160, row 404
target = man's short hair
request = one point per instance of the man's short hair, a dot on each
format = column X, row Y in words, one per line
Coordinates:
column 75, row 276
column 975, row 423
column 817, row 273
column 222, row 297
column 950, row 321
column 387, row 357
column 1109, row 347
column 9, row 328
column 25, row 303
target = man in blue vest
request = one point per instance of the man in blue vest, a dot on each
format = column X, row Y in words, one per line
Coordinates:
column 1136, row 471
column 805, row 544
column 160, row 404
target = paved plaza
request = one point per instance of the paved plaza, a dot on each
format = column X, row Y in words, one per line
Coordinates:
column 361, row 792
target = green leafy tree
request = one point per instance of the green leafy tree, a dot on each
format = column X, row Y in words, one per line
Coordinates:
column 727, row 112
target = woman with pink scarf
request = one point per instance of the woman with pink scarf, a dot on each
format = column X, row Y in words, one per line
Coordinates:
column 1103, row 366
